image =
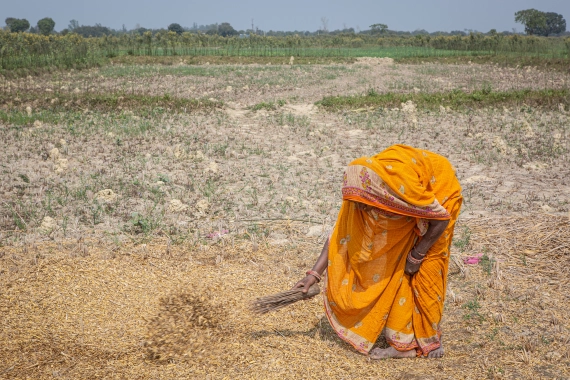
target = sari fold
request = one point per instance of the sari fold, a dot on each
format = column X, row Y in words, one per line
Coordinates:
column 367, row 291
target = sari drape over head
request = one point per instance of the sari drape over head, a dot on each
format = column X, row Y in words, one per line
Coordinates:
column 367, row 290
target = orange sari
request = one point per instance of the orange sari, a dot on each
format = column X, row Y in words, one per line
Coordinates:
column 366, row 288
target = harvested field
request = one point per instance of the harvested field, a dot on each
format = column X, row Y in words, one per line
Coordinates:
column 133, row 240
column 158, row 311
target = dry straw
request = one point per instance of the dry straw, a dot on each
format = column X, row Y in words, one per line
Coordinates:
column 280, row 300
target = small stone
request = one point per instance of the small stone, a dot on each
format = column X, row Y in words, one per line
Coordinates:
column 178, row 151
column 202, row 205
column 199, row 155
column 54, row 154
column 317, row 231
column 60, row 165
column 177, row 206
column 212, row 167
column 48, row 225
column 106, row 195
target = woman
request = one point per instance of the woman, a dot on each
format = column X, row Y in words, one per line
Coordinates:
column 387, row 258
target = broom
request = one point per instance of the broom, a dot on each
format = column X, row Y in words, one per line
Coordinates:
column 277, row 301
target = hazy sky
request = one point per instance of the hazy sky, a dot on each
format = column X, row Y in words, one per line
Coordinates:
column 434, row 15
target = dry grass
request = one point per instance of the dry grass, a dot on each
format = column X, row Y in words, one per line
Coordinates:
column 169, row 311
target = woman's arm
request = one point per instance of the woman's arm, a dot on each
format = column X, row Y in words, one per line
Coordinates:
column 319, row 267
column 435, row 229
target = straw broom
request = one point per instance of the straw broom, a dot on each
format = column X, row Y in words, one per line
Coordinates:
column 277, row 301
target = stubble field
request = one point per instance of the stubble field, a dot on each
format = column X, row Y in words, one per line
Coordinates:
column 143, row 207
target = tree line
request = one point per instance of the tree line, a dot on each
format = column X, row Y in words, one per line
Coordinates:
column 535, row 23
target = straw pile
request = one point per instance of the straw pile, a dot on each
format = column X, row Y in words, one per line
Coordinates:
column 185, row 326
column 280, row 300
column 169, row 311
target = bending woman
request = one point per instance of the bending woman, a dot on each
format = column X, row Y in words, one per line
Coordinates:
column 387, row 258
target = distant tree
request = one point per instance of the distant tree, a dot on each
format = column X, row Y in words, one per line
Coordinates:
column 226, row 30
column 324, row 24
column 46, row 26
column 378, row 28
column 555, row 23
column 176, row 28
column 541, row 23
column 92, row 31
column 17, row 25
column 73, row 24
column 140, row 30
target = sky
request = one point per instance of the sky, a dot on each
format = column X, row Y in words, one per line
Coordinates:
column 402, row 15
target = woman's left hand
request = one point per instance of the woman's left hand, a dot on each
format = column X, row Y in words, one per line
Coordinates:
column 411, row 269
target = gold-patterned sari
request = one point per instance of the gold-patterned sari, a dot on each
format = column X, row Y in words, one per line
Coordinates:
column 366, row 288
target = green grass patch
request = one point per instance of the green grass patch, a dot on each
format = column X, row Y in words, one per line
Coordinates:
column 456, row 99
column 229, row 60
column 15, row 105
column 268, row 106
column 503, row 60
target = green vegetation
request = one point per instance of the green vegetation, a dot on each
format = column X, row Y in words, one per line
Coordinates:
column 269, row 106
column 66, row 102
column 456, row 99
column 473, row 308
column 32, row 51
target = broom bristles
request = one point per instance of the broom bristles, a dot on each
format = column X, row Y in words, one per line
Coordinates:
column 277, row 301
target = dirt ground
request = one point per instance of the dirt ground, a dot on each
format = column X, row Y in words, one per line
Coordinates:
column 118, row 231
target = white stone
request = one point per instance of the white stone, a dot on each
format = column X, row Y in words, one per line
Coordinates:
column 48, row 225
column 106, row 195
column 202, row 205
column 177, row 206
column 60, row 165
column 212, row 167
column 54, row 154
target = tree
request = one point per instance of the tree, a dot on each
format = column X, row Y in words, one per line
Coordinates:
column 46, row 26
column 92, row 31
column 378, row 28
column 555, row 23
column 73, row 24
column 17, row 25
column 226, row 30
column 541, row 23
column 176, row 28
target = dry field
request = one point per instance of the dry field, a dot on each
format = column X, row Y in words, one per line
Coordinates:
column 133, row 240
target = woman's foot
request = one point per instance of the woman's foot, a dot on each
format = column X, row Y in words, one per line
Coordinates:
column 390, row 352
column 436, row 354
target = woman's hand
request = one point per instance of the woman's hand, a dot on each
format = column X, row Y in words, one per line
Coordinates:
column 411, row 269
column 306, row 283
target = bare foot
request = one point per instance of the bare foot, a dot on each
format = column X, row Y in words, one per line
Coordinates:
column 390, row 352
column 436, row 354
